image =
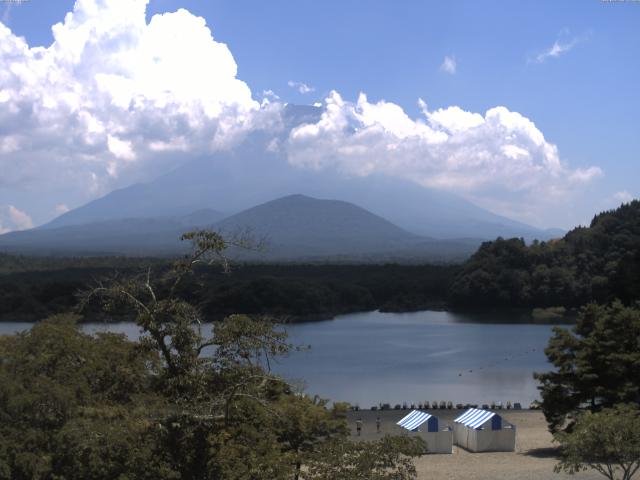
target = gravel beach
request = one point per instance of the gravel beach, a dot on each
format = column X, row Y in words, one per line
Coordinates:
column 533, row 459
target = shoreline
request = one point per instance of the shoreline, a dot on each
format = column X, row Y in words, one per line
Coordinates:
column 497, row 315
column 533, row 459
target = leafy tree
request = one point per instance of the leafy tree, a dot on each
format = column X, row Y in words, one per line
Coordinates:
column 597, row 364
column 304, row 425
column 60, row 387
column 390, row 458
column 607, row 441
column 221, row 403
column 181, row 403
column 108, row 442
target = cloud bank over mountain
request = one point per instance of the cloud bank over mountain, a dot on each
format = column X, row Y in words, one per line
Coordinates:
column 116, row 99
column 500, row 159
column 114, row 93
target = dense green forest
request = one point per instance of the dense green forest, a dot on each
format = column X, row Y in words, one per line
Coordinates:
column 295, row 292
column 596, row 263
column 590, row 264
column 20, row 263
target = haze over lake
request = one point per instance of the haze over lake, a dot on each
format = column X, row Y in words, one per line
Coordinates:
column 374, row 357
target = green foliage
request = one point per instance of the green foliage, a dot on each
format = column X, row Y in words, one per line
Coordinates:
column 58, row 384
column 20, row 263
column 607, row 441
column 386, row 459
column 291, row 291
column 110, row 442
column 178, row 404
column 598, row 264
column 303, row 426
column 596, row 364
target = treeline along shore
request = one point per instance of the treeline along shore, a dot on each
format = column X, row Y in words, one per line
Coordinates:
column 290, row 292
column 598, row 263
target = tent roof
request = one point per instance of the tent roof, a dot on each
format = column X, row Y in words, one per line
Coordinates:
column 414, row 419
column 474, row 417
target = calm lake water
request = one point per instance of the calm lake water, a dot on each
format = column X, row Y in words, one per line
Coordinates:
column 373, row 357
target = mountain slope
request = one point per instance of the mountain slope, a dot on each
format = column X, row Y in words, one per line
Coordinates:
column 129, row 236
column 301, row 228
column 296, row 228
column 298, row 225
column 254, row 173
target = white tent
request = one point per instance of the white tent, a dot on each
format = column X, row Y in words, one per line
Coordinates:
column 484, row 431
column 426, row 426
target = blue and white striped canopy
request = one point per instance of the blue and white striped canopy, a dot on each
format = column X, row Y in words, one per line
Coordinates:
column 474, row 417
column 414, row 420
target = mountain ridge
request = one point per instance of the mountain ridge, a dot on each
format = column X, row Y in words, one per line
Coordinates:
column 297, row 226
column 255, row 172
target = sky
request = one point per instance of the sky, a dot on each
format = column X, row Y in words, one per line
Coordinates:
column 529, row 109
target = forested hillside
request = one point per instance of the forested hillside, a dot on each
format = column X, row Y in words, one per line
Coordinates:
column 596, row 263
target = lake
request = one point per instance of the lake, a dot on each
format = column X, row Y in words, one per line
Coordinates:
column 373, row 357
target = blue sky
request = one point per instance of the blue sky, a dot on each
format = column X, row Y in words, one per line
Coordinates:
column 582, row 95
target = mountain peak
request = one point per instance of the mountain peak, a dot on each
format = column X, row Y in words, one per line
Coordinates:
column 296, row 197
column 233, row 182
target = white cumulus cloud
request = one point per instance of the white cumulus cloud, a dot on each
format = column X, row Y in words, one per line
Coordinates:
column 11, row 219
column 116, row 98
column 61, row 208
column 616, row 199
column 302, row 88
column 449, row 65
column 270, row 94
column 622, row 196
column 498, row 159
column 111, row 92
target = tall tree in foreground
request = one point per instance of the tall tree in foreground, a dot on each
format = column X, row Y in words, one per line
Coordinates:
column 597, row 364
column 226, row 404
column 607, row 441
column 77, row 406
column 182, row 403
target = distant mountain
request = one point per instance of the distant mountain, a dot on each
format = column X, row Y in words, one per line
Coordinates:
column 199, row 218
column 255, row 173
column 129, row 236
column 296, row 228
column 318, row 226
column 230, row 183
column 300, row 227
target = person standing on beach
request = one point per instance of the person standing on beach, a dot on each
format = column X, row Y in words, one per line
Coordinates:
column 378, row 423
column 359, row 426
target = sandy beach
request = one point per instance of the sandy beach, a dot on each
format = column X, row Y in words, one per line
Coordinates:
column 533, row 459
